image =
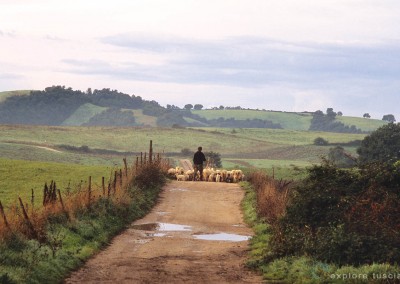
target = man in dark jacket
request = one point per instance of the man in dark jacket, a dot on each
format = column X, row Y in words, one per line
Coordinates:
column 198, row 160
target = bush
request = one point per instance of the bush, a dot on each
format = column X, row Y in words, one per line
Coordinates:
column 343, row 216
column 319, row 141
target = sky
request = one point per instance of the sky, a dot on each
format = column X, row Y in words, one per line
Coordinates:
column 286, row 55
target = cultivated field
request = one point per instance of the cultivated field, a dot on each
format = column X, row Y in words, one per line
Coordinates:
column 27, row 142
column 288, row 120
column 239, row 148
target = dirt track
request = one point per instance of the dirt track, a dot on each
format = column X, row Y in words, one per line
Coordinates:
column 164, row 247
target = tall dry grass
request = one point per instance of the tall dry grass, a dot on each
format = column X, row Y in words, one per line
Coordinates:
column 31, row 219
column 272, row 196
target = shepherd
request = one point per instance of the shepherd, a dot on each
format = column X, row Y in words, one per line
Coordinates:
column 198, row 159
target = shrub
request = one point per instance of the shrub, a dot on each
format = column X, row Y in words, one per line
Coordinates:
column 319, row 141
column 343, row 216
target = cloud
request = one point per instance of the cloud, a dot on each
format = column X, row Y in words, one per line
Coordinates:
column 258, row 61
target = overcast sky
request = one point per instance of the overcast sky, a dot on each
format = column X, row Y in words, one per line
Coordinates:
column 289, row 55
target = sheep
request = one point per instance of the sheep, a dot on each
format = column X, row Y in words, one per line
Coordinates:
column 171, row 171
column 218, row 177
column 211, row 177
column 179, row 170
column 180, row 177
column 190, row 174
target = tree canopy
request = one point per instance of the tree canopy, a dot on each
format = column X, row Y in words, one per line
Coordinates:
column 381, row 145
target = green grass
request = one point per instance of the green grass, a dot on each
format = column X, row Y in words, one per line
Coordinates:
column 19, row 177
column 303, row 269
column 6, row 94
column 268, row 146
column 70, row 242
column 143, row 119
column 365, row 124
column 83, row 114
column 288, row 120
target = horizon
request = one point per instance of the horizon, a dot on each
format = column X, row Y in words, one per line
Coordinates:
column 226, row 107
column 292, row 55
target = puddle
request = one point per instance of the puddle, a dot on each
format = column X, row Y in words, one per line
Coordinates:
column 173, row 227
column 165, row 227
column 156, row 235
column 238, row 226
column 178, row 189
column 222, row 237
column 162, row 213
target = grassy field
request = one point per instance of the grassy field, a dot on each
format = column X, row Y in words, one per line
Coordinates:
column 242, row 148
column 18, row 178
column 83, row 114
column 6, row 94
column 288, row 120
column 241, row 143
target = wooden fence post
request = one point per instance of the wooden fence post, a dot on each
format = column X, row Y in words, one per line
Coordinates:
column 3, row 214
column 89, row 191
column 120, row 178
column 103, row 186
column 32, row 198
column 115, row 182
column 151, row 152
column 28, row 222
column 126, row 167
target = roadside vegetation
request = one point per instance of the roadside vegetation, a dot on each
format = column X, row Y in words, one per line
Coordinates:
column 43, row 240
column 334, row 225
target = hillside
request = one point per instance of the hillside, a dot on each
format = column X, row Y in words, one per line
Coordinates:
column 58, row 105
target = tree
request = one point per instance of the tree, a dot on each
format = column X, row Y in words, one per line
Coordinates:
column 330, row 113
column 188, row 106
column 381, row 145
column 340, row 113
column 389, row 118
column 340, row 158
column 198, row 106
column 319, row 141
column 214, row 158
column 366, row 115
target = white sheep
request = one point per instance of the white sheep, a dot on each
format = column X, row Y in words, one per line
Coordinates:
column 180, row 177
column 171, row 171
column 218, row 177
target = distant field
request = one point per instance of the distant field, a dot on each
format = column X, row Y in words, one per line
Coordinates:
column 288, row 120
column 275, row 144
column 365, row 124
column 245, row 148
column 145, row 120
column 4, row 95
column 83, row 114
column 18, row 178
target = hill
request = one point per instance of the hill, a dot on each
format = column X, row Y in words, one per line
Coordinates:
column 58, row 105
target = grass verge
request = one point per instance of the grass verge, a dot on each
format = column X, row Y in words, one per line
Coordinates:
column 303, row 269
column 71, row 241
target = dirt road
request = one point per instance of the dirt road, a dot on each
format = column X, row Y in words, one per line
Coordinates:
column 195, row 234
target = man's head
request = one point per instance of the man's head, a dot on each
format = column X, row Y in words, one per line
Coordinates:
column 200, row 148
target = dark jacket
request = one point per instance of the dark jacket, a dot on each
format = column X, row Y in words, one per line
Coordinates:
column 199, row 158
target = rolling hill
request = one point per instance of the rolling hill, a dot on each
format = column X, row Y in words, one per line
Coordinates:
column 58, row 105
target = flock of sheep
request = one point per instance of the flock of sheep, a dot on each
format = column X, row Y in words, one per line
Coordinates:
column 209, row 174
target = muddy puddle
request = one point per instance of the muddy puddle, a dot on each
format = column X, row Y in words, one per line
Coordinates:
column 164, row 227
column 222, row 237
column 161, row 229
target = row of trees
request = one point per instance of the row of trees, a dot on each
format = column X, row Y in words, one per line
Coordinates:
column 327, row 122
